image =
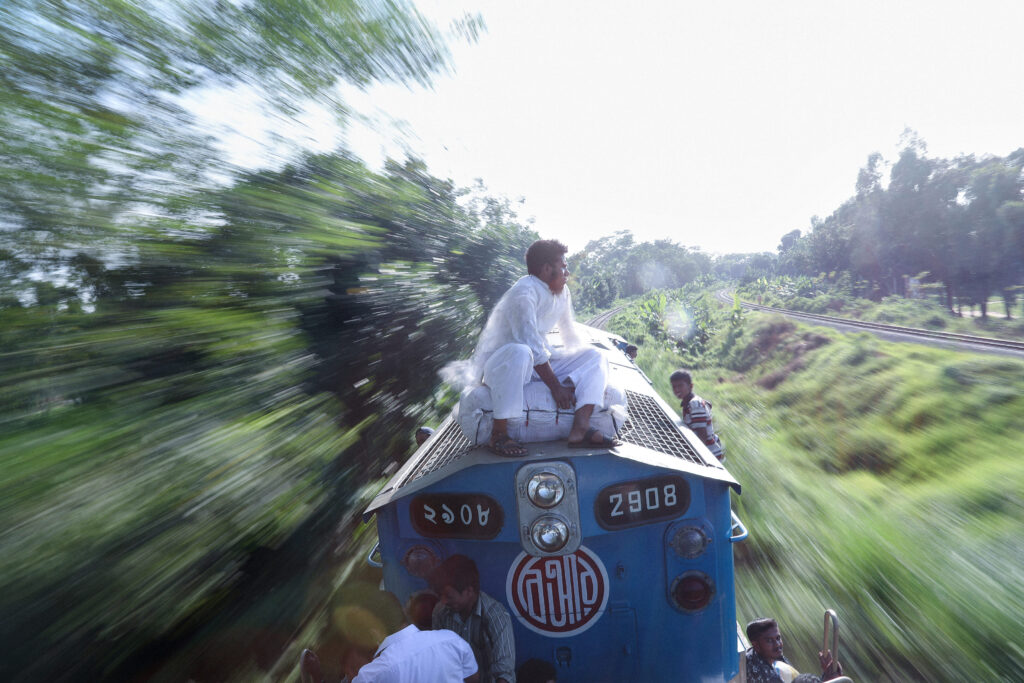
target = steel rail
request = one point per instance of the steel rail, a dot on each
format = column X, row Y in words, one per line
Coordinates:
column 955, row 337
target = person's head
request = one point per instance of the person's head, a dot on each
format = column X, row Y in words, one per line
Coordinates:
column 420, row 609
column 354, row 658
column 422, row 434
column 546, row 260
column 536, row 671
column 457, row 583
column 765, row 638
column 631, row 351
column 682, row 383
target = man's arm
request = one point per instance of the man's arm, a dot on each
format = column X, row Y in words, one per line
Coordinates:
column 521, row 321
column 565, row 397
column 503, row 659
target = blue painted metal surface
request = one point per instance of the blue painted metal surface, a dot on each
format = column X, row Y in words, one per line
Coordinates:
column 647, row 596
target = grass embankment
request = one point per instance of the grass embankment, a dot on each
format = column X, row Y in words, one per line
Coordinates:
column 929, row 312
column 882, row 480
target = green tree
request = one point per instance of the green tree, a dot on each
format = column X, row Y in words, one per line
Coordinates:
column 165, row 411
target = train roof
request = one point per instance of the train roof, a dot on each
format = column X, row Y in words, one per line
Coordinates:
column 653, row 434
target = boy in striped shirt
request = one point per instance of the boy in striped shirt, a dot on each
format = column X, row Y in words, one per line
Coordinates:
column 696, row 412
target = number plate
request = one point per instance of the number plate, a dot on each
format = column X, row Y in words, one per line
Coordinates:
column 642, row 501
column 456, row 515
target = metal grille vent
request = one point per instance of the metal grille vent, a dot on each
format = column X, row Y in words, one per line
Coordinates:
column 648, row 426
column 449, row 446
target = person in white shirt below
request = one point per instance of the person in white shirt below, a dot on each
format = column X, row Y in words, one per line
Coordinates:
column 513, row 349
column 412, row 656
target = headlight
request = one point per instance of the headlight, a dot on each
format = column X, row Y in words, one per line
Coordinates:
column 420, row 561
column 689, row 542
column 545, row 490
column 549, row 533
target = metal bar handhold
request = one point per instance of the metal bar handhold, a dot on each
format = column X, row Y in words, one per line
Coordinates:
column 369, row 558
column 831, row 620
column 737, row 524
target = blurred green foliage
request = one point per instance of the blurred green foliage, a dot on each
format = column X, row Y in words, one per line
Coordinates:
column 202, row 366
column 878, row 479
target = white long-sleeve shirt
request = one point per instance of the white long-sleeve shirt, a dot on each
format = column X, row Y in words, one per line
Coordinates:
column 525, row 315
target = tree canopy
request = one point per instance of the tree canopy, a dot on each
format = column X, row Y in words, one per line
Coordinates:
column 200, row 362
column 616, row 266
column 956, row 222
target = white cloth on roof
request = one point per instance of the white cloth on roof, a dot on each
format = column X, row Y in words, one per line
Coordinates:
column 510, row 367
column 539, row 419
column 412, row 655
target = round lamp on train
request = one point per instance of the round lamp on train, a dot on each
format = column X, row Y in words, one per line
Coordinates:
column 692, row 591
column 549, row 533
column 545, row 490
column 420, row 560
column 689, row 542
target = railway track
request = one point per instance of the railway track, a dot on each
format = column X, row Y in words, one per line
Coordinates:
column 599, row 321
column 896, row 332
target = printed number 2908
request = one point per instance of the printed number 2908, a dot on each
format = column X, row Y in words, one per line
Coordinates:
column 648, row 499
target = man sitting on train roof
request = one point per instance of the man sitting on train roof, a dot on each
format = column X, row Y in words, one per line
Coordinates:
column 479, row 619
column 513, row 348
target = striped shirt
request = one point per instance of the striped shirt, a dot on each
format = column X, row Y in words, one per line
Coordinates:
column 488, row 630
column 697, row 416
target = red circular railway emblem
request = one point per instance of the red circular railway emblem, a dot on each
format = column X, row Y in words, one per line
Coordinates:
column 558, row 596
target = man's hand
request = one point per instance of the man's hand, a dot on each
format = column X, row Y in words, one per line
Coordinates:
column 565, row 397
column 830, row 668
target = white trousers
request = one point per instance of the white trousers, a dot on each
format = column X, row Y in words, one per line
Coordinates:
column 510, row 368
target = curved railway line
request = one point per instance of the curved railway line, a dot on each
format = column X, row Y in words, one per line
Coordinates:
column 599, row 321
column 897, row 332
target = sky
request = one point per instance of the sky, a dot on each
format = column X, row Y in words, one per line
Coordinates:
column 719, row 125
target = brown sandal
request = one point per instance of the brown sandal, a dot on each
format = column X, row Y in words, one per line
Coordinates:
column 507, row 447
column 588, row 442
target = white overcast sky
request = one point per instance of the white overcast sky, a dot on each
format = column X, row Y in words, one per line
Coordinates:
column 722, row 125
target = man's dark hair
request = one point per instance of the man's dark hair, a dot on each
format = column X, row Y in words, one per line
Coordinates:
column 536, row 671
column 419, row 609
column 681, row 375
column 458, row 571
column 758, row 627
column 541, row 252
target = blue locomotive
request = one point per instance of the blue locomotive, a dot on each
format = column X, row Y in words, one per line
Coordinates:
column 616, row 565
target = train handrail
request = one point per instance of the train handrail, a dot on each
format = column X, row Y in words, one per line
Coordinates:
column 369, row 558
column 737, row 524
column 833, row 620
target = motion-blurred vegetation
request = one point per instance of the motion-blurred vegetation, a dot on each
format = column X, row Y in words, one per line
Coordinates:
column 202, row 365
column 879, row 479
column 206, row 367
